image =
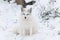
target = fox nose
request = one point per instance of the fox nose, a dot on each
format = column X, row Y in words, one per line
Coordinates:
column 25, row 17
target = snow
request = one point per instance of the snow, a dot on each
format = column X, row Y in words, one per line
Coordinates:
column 9, row 18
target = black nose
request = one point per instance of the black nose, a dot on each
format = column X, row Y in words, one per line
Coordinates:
column 25, row 17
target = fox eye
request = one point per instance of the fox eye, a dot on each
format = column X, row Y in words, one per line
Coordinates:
column 27, row 14
column 23, row 13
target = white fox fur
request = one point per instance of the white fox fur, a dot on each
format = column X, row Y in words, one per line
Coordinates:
column 28, row 25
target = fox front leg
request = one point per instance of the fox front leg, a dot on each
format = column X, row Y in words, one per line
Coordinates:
column 31, row 31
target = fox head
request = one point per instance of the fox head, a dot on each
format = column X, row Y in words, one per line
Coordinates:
column 26, row 13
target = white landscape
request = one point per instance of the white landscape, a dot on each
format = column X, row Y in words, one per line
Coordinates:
column 47, row 14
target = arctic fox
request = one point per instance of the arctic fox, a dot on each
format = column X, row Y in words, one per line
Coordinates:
column 28, row 24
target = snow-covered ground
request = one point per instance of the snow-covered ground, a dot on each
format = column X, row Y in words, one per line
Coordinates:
column 9, row 18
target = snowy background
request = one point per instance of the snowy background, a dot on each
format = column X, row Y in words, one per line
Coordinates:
column 46, row 11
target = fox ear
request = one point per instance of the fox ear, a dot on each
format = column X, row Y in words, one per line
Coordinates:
column 21, row 9
column 30, row 10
